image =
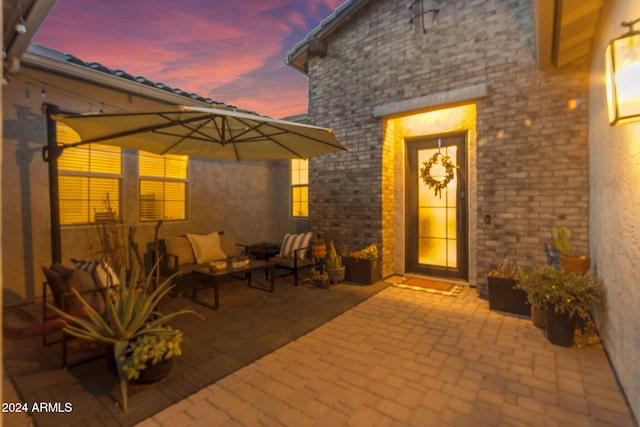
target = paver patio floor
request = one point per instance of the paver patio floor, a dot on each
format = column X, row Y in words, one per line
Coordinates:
column 249, row 324
column 405, row 357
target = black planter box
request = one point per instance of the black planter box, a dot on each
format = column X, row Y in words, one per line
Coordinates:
column 365, row 271
column 503, row 297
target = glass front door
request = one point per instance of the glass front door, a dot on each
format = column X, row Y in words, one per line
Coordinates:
column 436, row 213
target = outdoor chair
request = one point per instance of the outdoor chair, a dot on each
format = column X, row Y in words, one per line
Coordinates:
column 59, row 281
column 295, row 254
column 178, row 259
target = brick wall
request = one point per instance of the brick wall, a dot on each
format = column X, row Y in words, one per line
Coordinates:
column 531, row 148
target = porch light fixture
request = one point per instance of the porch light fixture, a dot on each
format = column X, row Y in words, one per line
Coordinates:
column 622, row 58
column 422, row 12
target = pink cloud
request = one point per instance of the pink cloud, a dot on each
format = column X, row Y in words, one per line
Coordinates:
column 232, row 53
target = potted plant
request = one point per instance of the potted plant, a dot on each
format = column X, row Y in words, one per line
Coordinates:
column 137, row 334
column 335, row 269
column 568, row 260
column 570, row 300
column 565, row 296
column 503, row 295
column 319, row 277
column 318, row 248
column 534, row 282
column 362, row 266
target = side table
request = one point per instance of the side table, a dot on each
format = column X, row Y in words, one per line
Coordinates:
column 264, row 250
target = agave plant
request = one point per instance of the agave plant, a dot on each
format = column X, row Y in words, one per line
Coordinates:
column 130, row 314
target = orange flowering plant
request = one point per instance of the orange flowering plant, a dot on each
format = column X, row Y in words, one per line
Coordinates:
column 370, row 252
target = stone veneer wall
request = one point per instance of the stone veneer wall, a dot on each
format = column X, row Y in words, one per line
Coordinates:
column 614, row 228
column 532, row 149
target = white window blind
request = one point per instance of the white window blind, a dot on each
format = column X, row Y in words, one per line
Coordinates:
column 89, row 179
column 163, row 187
column 299, row 184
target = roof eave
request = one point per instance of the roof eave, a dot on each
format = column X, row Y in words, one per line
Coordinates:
column 297, row 57
column 40, row 57
column 34, row 13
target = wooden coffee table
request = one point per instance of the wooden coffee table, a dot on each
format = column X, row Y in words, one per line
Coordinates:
column 211, row 277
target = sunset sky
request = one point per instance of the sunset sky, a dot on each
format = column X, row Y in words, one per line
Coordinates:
column 231, row 52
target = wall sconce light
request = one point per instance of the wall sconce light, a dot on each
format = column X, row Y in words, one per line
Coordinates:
column 422, row 12
column 622, row 65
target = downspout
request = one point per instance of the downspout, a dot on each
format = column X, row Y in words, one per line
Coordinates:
column 50, row 154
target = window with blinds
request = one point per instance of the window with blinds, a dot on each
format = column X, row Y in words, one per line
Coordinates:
column 299, row 183
column 163, row 187
column 89, row 179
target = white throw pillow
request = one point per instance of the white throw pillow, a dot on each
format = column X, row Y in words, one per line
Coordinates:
column 206, row 247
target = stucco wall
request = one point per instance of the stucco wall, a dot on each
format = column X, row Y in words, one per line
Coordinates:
column 531, row 155
column 249, row 198
column 614, row 206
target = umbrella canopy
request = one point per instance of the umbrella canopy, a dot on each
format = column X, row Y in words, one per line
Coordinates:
column 204, row 132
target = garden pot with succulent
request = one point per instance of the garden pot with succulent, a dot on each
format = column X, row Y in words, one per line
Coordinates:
column 503, row 295
column 335, row 269
column 568, row 260
column 132, row 327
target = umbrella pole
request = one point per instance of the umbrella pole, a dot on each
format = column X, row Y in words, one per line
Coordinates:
column 50, row 154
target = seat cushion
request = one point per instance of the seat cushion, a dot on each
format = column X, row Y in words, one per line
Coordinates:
column 180, row 247
column 287, row 262
column 206, row 247
column 62, row 280
column 90, row 290
column 228, row 244
column 57, row 285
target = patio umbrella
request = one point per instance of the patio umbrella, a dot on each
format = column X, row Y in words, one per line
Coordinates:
column 204, row 132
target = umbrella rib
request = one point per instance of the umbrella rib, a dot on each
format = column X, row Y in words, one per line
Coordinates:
column 183, row 137
column 122, row 134
column 269, row 137
column 282, row 131
column 235, row 147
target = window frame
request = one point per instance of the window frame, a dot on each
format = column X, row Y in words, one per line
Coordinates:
column 163, row 179
column 89, row 175
column 293, row 187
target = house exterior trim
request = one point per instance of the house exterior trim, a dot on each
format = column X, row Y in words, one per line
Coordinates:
column 450, row 97
column 298, row 55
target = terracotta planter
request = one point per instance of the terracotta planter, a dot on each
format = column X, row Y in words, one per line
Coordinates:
column 365, row 271
column 539, row 318
column 575, row 264
column 503, row 297
column 561, row 328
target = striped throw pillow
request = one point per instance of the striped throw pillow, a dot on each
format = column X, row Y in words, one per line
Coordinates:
column 291, row 242
column 100, row 270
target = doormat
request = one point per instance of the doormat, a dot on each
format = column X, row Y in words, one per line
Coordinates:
column 441, row 288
